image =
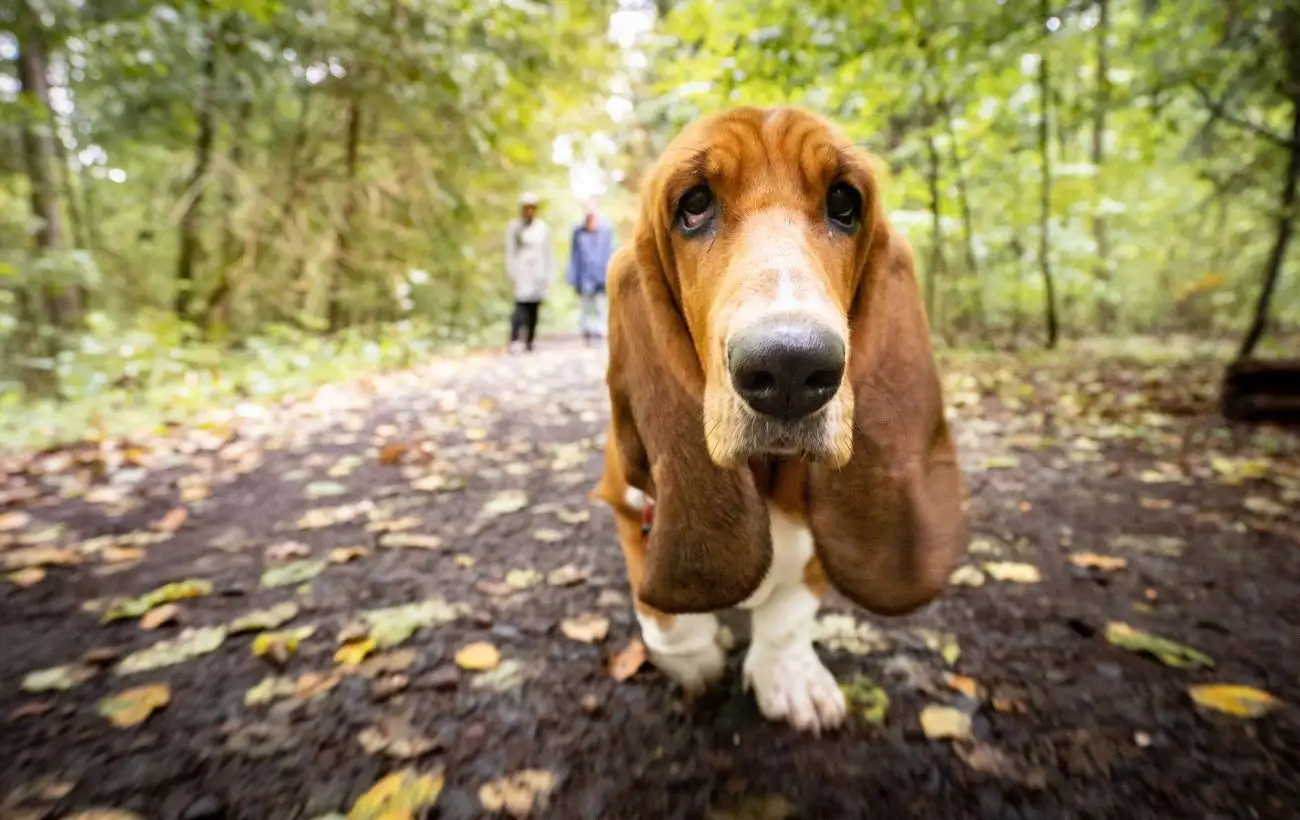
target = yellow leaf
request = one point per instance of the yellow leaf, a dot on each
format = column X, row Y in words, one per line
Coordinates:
column 342, row 555
column 867, row 699
column 478, row 657
column 354, row 652
column 1089, row 560
column 133, row 706
column 960, row 683
column 25, row 578
column 1166, row 651
column 1013, row 572
column 945, row 723
column 1234, row 699
column 402, row 795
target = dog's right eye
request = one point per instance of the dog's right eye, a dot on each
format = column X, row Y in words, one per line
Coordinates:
column 695, row 208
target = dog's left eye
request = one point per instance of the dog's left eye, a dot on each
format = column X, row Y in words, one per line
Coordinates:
column 843, row 206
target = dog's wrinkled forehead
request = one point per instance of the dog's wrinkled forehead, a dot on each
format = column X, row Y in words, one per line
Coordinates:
column 756, row 158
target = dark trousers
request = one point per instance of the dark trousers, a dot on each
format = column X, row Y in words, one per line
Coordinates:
column 525, row 319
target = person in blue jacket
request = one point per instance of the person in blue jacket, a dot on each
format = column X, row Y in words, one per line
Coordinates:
column 592, row 247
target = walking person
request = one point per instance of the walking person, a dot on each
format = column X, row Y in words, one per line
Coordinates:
column 589, row 255
column 530, row 265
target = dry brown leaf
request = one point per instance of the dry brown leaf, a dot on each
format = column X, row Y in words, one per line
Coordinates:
column 14, row 520
column 587, row 628
column 172, row 521
column 25, row 578
column 411, row 540
column 343, row 555
column 1155, row 503
column 120, row 555
column 31, row 557
column 518, row 794
column 960, row 683
column 1105, row 563
column 103, row 814
column 282, row 551
column 628, row 660
column 392, row 453
column 313, row 684
column 478, row 657
column 134, row 706
column 154, row 618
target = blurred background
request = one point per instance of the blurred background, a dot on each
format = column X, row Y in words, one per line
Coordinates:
column 232, row 197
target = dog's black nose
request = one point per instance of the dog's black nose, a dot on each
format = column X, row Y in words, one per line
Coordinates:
column 786, row 368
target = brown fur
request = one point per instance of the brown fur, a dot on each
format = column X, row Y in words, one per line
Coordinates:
column 888, row 525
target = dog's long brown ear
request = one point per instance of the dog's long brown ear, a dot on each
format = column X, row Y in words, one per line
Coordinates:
column 889, row 526
column 709, row 546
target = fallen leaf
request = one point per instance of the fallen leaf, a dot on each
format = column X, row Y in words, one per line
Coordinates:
column 314, row 684
column 1266, row 507
column 548, row 536
column 866, row 699
column 123, row 608
column 1168, row 546
column 409, row 522
column 1166, row 651
column 322, row 517
column 270, row 688
column 1012, row 572
column 960, row 683
column 573, row 516
column 392, row 453
column 395, row 738
column 278, row 646
column 464, row 561
column 627, row 660
column 1234, row 699
column 354, row 652
column 402, row 795
column 566, row 576
column 523, row 578
column 14, row 520
column 282, row 551
column 25, row 578
column 121, row 555
column 172, row 521
column 478, row 657
column 945, row 723
column 161, row 616
column 967, row 576
column 754, row 807
column 1001, row 463
column 264, row 619
column 1105, row 563
column 586, row 628
column 292, row 573
column 103, row 814
column 510, row 674
column 343, row 555
column 323, row 489
column 410, row 540
column 386, row 663
column 392, row 625
column 133, row 706
column 57, row 678
column 504, row 503
column 191, row 643
column 519, row 793
column 32, row 557
column 1155, row 503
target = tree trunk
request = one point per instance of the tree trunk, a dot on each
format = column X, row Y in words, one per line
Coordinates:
column 1105, row 302
column 1045, row 215
column 936, row 235
column 191, row 248
column 1285, row 227
column 967, row 218
column 342, row 264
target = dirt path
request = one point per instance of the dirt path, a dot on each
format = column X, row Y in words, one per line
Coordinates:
column 460, row 490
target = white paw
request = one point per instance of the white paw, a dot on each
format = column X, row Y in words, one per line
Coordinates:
column 696, row 671
column 791, row 684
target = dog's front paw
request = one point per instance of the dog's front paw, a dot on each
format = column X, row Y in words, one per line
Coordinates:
column 791, row 684
column 686, row 648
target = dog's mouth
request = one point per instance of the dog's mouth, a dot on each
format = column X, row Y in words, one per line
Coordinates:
column 808, row 437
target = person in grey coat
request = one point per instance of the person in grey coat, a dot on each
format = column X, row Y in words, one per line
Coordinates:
column 530, row 265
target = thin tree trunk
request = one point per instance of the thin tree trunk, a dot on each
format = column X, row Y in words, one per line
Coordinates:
column 1105, row 303
column 1285, row 228
column 190, row 223
column 1045, row 215
column 967, row 217
column 936, row 234
column 342, row 264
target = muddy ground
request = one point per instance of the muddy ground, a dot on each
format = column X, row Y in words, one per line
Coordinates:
column 1119, row 459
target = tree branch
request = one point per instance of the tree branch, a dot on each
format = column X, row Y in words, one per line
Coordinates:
column 1219, row 112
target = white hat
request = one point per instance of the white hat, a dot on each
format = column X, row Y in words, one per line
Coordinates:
column 528, row 198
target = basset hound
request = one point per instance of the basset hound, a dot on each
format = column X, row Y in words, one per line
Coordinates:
column 777, row 422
